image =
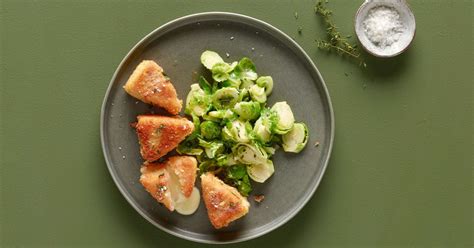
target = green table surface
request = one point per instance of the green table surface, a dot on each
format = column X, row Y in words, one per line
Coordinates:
column 401, row 170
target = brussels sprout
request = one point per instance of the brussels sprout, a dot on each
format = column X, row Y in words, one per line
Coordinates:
column 237, row 171
column 207, row 165
column 184, row 149
column 295, row 140
column 215, row 115
column 197, row 101
column 244, row 186
column 231, row 82
column 205, row 86
column 210, row 130
column 224, row 160
column 257, row 93
column 221, row 116
column 212, row 148
column 237, row 131
column 285, row 118
column 246, row 84
column 267, row 83
column 261, row 132
column 210, row 58
column 247, row 110
column 261, row 172
column 246, row 69
column 220, row 71
column 249, row 154
column 225, row 98
column 244, row 95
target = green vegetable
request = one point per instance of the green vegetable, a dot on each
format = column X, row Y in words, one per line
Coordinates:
column 267, row 83
column 235, row 133
column 257, row 93
column 205, row 85
column 220, row 71
column 249, row 153
column 210, row 58
column 225, row 98
column 197, row 101
column 285, row 118
column 261, row 172
column 210, row 130
column 246, row 69
column 244, row 186
column 262, row 132
column 247, row 110
column 212, row 148
column 237, row 171
column 295, row 140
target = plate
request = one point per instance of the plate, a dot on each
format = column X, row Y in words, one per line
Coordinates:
column 177, row 47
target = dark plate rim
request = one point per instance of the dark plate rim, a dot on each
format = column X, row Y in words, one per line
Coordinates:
column 223, row 16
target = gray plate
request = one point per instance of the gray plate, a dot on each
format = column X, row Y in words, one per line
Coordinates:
column 177, row 46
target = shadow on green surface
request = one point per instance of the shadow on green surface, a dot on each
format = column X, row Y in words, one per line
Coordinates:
column 386, row 68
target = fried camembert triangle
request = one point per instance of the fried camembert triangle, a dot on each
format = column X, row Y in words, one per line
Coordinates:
column 224, row 203
column 158, row 135
column 172, row 183
column 148, row 84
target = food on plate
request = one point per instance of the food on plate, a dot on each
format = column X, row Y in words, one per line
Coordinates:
column 158, row 135
column 233, row 136
column 224, row 203
column 236, row 132
column 148, row 84
column 172, row 183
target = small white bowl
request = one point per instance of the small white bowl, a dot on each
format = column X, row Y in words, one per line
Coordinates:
column 406, row 17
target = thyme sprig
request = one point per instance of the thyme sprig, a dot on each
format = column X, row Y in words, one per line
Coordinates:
column 335, row 41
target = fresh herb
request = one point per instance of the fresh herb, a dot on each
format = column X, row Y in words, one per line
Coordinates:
column 335, row 41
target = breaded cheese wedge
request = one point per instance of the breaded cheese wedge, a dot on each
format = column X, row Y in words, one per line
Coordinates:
column 224, row 203
column 158, row 135
column 148, row 84
column 172, row 183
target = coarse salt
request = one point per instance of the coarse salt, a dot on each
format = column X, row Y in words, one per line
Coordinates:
column 383, row 26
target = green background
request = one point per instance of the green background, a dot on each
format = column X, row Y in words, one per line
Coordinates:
column 401, row 170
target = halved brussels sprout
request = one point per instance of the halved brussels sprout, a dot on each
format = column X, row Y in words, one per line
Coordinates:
column 261, row 172
column 295, row 140
column 225, row 98
column 212, row 148
column 285, row 118
column 237, row 131
column 210, row 130
column 246, row 84
column 220, row 71
column 257, row 93
column 210, row 58
column 246, row 69
column 261, row 132
column 267, row 83
column 249, row 154
column 197, row 101
column 247, row 110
